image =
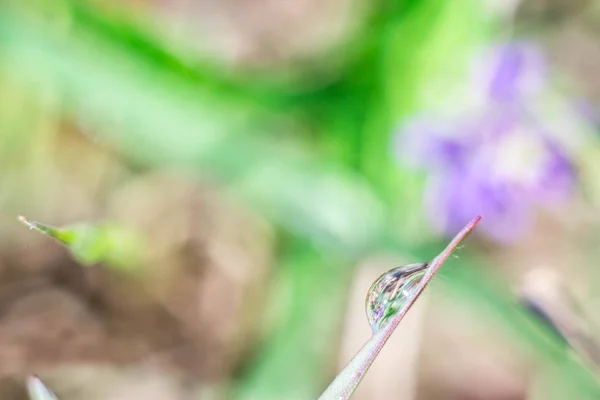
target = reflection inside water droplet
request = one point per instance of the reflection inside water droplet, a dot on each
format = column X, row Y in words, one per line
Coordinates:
column 391, row 291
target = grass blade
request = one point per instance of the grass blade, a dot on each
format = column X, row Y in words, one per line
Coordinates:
column 37, row 390
column 344, row 385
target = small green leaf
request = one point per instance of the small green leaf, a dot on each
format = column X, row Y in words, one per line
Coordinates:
column 90, row 244
column 37, row 390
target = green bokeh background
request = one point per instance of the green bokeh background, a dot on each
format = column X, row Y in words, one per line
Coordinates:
column 306, row 145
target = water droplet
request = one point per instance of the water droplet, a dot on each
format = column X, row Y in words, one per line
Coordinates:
column 391, row 291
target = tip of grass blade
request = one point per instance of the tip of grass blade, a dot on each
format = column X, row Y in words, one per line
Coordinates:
column 344, row 385
column 38, row 226
column 26, row 221
column 58, row 234
column 437, row 262
column 37, row 390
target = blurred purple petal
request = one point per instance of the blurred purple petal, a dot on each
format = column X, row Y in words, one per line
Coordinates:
column 430, row 143
column 559, row 179
column 510, row 70
column 452, row 199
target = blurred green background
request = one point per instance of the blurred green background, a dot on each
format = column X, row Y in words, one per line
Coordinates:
column 230, row 176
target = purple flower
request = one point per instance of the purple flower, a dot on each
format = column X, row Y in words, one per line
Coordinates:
column 497, row 162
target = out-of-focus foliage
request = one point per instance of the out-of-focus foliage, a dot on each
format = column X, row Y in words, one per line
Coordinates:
column 309, row 146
